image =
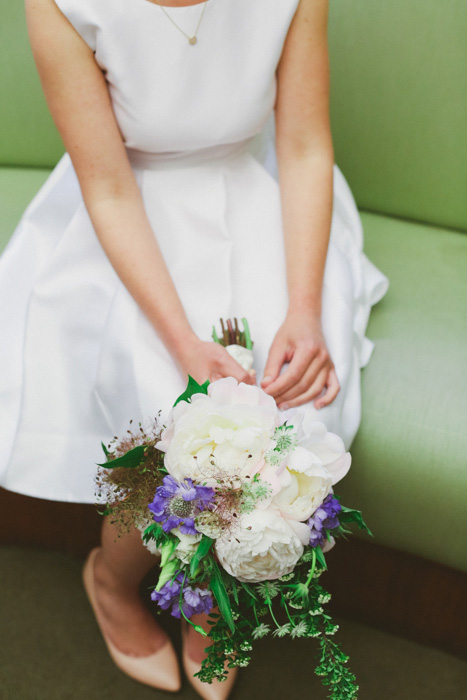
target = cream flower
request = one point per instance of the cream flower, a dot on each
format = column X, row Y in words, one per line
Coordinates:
column 187, row 546
column 227, row 431
column 264, row 547
column 311, row 469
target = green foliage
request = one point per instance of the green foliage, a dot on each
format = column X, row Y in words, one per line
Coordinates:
column 320, row 557
column 220, row 593
column 349, row 515
column 192, row 388
column 285, row 617
column 203, row 549
column 130, row 460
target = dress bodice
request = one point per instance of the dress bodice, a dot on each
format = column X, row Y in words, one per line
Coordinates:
column 169, row 95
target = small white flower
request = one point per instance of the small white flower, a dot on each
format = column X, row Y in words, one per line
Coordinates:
column 208, row 524
column 187, row 546
column 299, row 630
column 282, row 631
column 261, row 631
column 268, row 589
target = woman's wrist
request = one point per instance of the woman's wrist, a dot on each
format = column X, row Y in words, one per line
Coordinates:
column 184, row 346
column 305, row 308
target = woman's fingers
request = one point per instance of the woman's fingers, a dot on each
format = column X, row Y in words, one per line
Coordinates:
column 309, row 380
column 300, row 362
column 311, row 392
column 232, row 368
column 333, row 388
column 276, row 359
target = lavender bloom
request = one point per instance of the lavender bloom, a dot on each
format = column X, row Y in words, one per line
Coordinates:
column 177, row 504
column 194, row 600
column 326, row 517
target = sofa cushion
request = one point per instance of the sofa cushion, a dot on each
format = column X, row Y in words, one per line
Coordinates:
column 409, row 472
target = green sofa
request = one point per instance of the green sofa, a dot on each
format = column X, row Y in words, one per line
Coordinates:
column 399, row 115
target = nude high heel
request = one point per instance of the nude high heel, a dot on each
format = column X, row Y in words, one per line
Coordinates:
column 159, row 670
column 209, row 691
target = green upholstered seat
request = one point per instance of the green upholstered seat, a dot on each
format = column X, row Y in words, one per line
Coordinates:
column 409, row 472
column 398, row 109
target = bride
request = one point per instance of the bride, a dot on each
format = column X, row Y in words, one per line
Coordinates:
column 170, row 209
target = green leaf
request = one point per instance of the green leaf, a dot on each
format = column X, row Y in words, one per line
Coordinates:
column 249, row 590
column 154, row 532
column 203, row 548
column 107, row 511
column 106, row 452
column 234, row 589
column 218, row 588
column 130, row 459
column 320, row 557
column 167, row 550
column 349, row 515
column 168, row 571
column 192, row 388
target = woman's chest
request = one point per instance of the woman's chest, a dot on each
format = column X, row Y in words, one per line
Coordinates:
column 170, row 94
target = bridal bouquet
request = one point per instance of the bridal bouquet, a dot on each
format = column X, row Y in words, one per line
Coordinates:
column 241, row 508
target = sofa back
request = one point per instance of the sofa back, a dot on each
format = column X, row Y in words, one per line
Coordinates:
column 398, row 104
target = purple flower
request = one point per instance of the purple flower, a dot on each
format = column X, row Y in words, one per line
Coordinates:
column 177, row 505
column 326, row 517
column 193, row 600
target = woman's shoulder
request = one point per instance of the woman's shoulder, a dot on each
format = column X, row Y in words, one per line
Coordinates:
column 86, row 16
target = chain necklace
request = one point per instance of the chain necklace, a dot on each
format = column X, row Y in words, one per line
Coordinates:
column 193, row 38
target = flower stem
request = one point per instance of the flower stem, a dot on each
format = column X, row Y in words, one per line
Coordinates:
column 312, row 572
column 288, row 614
column 180, row 605
column 246, row 330
column 272, row 614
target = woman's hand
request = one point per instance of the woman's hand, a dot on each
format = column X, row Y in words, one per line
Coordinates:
column 300, row 342
column 209, row 360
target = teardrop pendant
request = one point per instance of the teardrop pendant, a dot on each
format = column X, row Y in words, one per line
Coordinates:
column 192, row 40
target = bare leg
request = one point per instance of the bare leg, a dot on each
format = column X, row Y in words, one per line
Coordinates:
column 120, row 566
column 196, row 643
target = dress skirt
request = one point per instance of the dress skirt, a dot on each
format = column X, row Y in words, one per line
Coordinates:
column 81, row 359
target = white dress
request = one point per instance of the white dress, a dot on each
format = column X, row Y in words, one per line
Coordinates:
column 81, row 359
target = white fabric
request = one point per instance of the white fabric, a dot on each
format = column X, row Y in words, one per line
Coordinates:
column 81, row 359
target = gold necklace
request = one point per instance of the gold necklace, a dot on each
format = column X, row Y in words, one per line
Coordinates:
column 193, row 38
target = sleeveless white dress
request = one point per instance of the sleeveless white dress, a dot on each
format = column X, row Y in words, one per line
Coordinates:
column 81, row 359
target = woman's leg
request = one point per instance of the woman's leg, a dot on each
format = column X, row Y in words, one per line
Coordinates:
column 120, row 565
column 195, row 643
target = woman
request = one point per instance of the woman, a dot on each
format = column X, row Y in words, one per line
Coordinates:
column 165, row 215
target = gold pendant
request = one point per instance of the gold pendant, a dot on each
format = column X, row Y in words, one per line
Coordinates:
column 192, row 40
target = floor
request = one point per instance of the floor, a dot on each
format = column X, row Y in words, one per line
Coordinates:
column 50, row 649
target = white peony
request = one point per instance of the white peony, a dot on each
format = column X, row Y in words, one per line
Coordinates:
column 264, row 547
column 311, row 469
column 232, row 426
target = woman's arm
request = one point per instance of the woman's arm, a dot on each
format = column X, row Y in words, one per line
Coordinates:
column 305, row 160
column 78, row 99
